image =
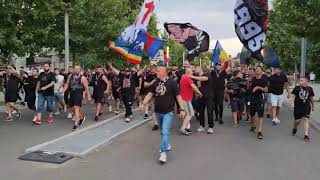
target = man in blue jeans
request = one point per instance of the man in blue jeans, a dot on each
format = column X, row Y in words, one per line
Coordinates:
column 45, row 93
column 165, row 91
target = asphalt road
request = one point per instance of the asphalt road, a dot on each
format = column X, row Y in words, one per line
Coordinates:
column 228, row 154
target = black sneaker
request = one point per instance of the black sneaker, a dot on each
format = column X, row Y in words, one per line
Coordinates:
column 146, row 116
column 294, row 131
column 82, row 120
column 252, row 129
column 18, row 115
column 221, row 122
column 96, row 118
column 189, row 130
column 306, row 139
column 100, row 114
column 155, row 128
column 259, row 136
column 74, row 128
column 247, row 119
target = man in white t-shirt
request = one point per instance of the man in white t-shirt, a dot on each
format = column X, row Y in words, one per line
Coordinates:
column 58, row 92
column 312, row 77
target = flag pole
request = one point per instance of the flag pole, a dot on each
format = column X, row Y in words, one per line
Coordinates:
column 168, row 56
column 183, row 56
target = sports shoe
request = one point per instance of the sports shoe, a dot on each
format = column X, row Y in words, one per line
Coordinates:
column 82, row 120
column 110, row 108
column 70, row 115
column 169, row 148
column 50, row 119
column 96, row 118
column 277, row 121
column 14, row 112
column 146, row 116
column 201, row 129
column 155, row 128
column 127, row 119
column 294, row 131
column 18, row 115
column 131, row 116
column 189, row 130
column 37, row 121
column 74, row 118
column 74, row 128
column 221, row 122
column 116, row 112
column 259, row 136
column 57, row 113
column 274, row 122
column 306, row 138
column 184, row 132
column 252, row 129
column 163, row 157
column 100, row 114
column 8, row 119
column 210, row 131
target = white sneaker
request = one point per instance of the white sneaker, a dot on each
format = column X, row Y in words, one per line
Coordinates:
column 131, row 116
column 110, row 108
column 74, row 118
column 210, row 131
column 128, row 119
column 163, row 157
column 14, row 112
column 69, row 115
column 201, row 129
column 56, row 113
column 277, row 120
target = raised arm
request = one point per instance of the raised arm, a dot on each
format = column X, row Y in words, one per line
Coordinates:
column 114, row 69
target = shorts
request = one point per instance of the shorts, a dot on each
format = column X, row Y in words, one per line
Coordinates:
column 11, row 98
column 276, row 100
column 301, row 112
column 257, row 108
column 31, row 102
column 116, row 95
column 268, row 98
column 188, row 108
column 76, row 99
column 58, row 97
column 98, row 98
column 237, row 104
column 42, row 99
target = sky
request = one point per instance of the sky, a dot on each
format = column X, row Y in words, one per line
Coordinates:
column 213, row 16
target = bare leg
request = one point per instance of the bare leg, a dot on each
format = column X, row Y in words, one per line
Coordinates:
column 261, row 121
column 186, row 122
column 235, row 118
column 77, row 115
column 306, row 126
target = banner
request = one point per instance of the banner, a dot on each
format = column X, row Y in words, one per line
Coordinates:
column 251, row 21
column 127, row 44
column 193, row 39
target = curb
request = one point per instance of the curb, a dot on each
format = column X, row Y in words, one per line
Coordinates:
column 39, row 146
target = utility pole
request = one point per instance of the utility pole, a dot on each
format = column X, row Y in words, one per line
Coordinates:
column 66, row 41
column 303, row 56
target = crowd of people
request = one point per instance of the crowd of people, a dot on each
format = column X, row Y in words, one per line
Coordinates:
column 159, row 91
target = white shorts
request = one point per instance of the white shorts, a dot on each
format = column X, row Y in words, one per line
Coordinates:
column 188, row 108
column 276, row 100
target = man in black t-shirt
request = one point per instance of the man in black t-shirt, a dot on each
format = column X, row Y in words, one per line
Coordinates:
column 219, row 78
column 303, row 105
column 277, row 82
column 45, row 93
column 128, row 82
column 30, row 85
column 12, row 84
column 259, row 86
column 164, row 91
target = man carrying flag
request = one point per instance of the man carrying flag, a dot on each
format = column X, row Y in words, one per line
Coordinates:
column 220, row 62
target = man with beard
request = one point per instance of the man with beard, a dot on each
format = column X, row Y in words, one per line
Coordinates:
column 220, row 79
column 67, row 93
column 77, row 84
column 13, row 85
column 101, row 86
column 45, row 93
column 164, row 91
column 128, row 82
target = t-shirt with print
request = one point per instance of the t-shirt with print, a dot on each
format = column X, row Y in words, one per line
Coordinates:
column 164, row 93
column 186, row 90
column 45, row 79
column 128, row 83
column 58, row 87
column 302, row 96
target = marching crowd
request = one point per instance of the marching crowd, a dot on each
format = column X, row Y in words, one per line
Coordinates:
column 159, row 92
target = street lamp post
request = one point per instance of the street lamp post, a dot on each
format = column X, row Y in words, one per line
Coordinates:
column 303, row 56
column 66, row 41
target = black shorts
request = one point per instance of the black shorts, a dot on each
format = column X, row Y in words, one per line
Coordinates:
column 116, row 95
column 76, row 99
column 99, row 98
column 66, row 97
column 301, row 112
column 257, row 108
column 237, row 104
column 11, row 98
column 31, row 102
